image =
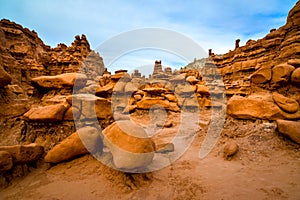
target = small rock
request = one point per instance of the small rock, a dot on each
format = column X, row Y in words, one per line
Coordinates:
column 230, row 149
column 6, row 161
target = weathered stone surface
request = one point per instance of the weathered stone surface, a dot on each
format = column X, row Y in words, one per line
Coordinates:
column 184, row 89
column 61, row 81
column 130, row 88
column 230, row 149
column 253, row 107
column 147, row 103
column 155, row 91
column 83, row 141
column 5, row 78
column 6, row 161
column 15, row 89
column 192, row 80
column 129, row 144
column 72, row 113
column 294, row 62
column 281, row 74
column 91, row 107
column 202, row 89
column 24, row 153
column 262, row 75
column 171, row 97
column 290, row 129
column 51, row 113
column 287, row 104
column 105, row 91
column 296, row 77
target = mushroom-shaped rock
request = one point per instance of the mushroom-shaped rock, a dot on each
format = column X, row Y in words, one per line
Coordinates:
column 83, row 141
column 129, row 144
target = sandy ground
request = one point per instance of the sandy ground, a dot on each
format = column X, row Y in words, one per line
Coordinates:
column 267, row 166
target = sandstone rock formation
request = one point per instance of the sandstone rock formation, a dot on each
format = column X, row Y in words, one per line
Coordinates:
column 83, row 141
column 129, row 144
column 290, row 129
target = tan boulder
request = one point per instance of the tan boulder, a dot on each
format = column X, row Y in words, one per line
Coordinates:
column 6, row 161
column 85, row 140
column 281, row 74
column 296, row 77
column 129, row 144
column 22, row 154
column 61, row 81
column 287, row 104
column 50, row 113
column 262, row 75
column 254, row 107
column 290, row 129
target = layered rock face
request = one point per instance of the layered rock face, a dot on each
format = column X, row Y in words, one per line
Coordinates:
column 262, row 77
column 268, row 64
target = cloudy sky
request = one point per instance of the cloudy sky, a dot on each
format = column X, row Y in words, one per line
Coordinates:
column 211, row 24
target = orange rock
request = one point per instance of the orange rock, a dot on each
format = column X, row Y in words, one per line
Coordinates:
column 83, row 141
column 287, row 104
column 61, row 81
column 24, row 153
column 296, row 77
column 290, row 129
column 51, row 113
column 281, row 74
column 129, row 144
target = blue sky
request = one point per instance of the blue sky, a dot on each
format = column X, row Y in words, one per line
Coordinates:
column 211, row 24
